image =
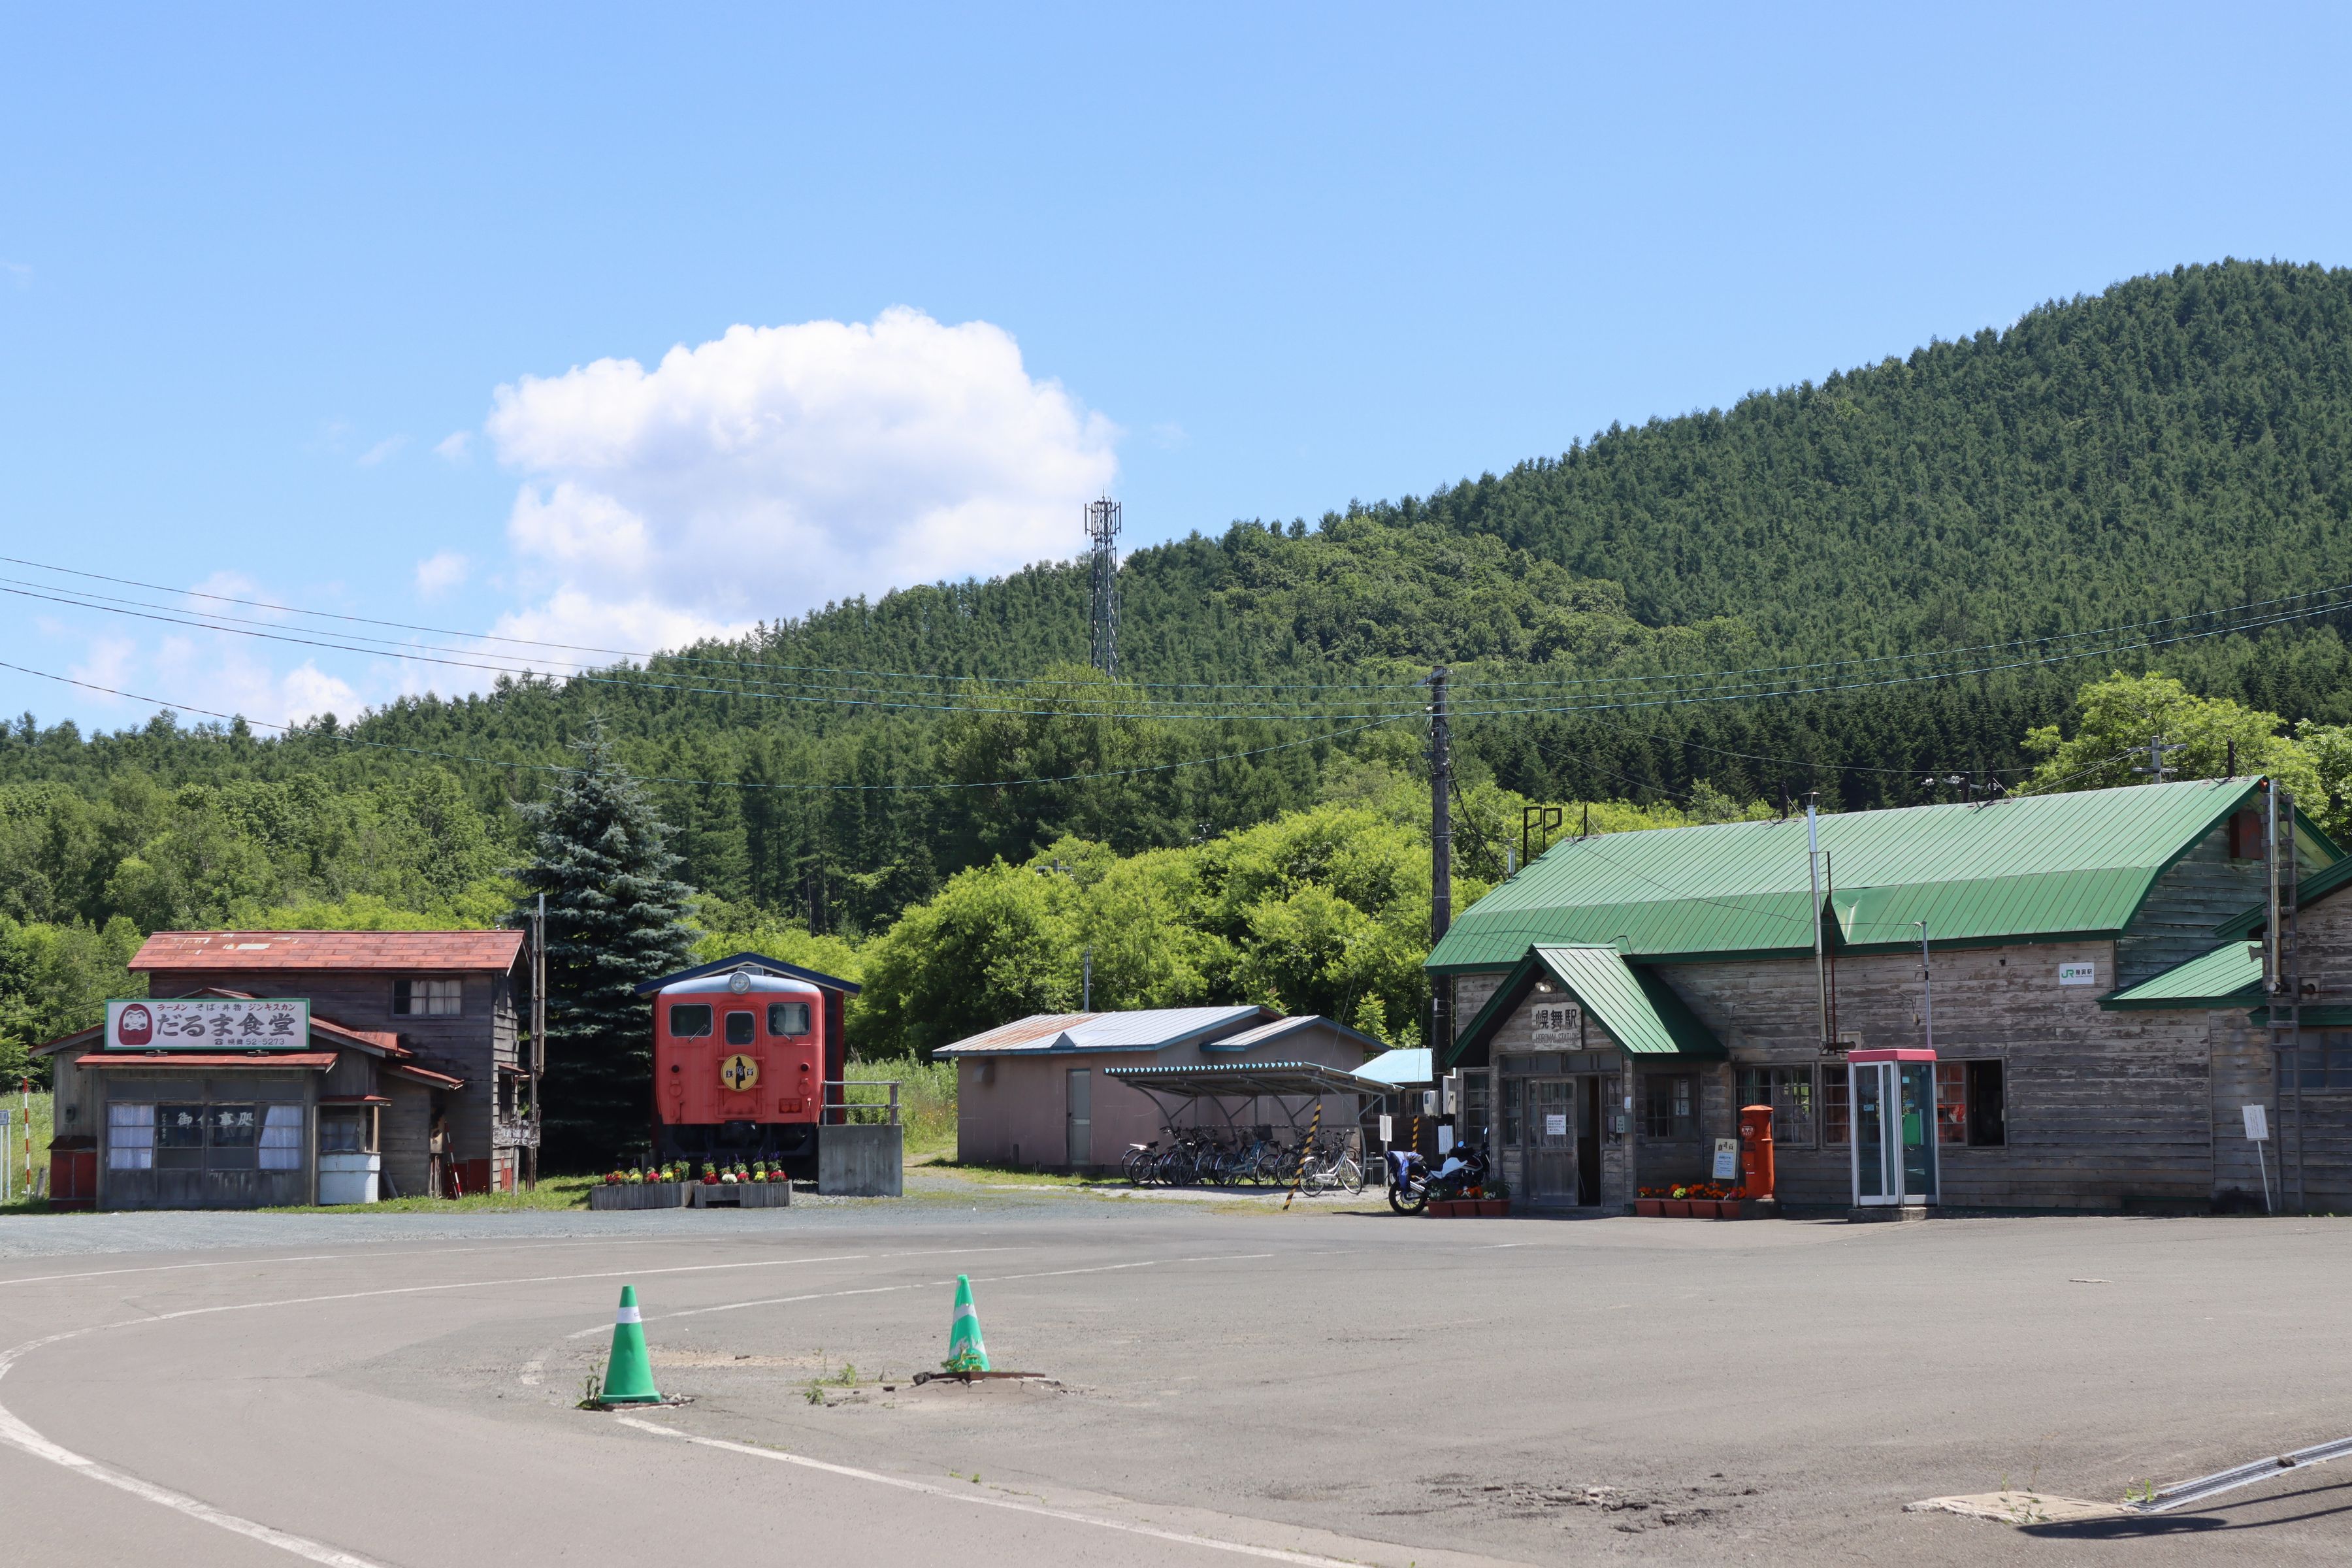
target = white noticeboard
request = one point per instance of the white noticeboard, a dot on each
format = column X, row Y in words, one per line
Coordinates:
column 1444, row 1140
column 2078, row 974
column 1387, row 1129
column 2258, row 1124
column 1726, row 1159
column 1556, row 1125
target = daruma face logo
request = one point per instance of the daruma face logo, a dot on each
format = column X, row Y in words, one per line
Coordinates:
column 138, row 1026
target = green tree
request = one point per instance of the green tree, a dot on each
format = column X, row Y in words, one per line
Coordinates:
column 2116, row 720
column 616, row 917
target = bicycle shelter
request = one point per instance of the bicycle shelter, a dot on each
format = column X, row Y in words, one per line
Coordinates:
column 1294, row 1086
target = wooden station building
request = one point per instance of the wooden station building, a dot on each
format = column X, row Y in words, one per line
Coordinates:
column 274, row 1068
column 2096, row 973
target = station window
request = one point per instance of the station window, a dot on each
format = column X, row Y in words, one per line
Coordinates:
column 788, row 1018
column 690, row 1020
column 1669, row 1105
column 1790, row 1092
column 428, row 998
column 1836, row 1124
column 1971, row 1104
column 2324, row 1061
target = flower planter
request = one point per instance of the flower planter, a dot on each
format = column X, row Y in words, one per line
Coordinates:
column 1468, row 1208
column 1648, row 1208
column 1733, row 1208
column 637, row 1195
column 1674, row 1208
column 1706, row 1208
column 1494, row 1209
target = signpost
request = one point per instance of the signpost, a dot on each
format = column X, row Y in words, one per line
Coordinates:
column 1726, row 1159
column 2258, row 1132
column 4, row 1114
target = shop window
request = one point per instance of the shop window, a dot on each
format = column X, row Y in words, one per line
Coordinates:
column 1790, row 1092
column 1476, row 1114
column 1669, row 1105
column 281, row 1138
column 1971, row 1107
column 130, row 1137
column 2323, row 1062
column 340, row 1132
column 178, row 1127
column 1835, row 1120
column 742, row 1028
column 428, row 998
column 231, row 1127
column 788, row 1019
column 690, row 1021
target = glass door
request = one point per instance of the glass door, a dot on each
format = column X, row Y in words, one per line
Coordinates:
column 1551, row 1141
column 1893, row 1107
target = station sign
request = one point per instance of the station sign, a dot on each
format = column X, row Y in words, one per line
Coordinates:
column 1556, row 1024
column 208, row 1024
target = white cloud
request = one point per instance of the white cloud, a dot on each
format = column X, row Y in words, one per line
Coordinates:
column 775, row 468
column 440, row 572
column 18, row 272
column 221, row 673
column 455, row 447
column 113, row 664
column 381, row 450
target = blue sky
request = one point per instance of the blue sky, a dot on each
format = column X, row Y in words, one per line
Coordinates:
column 263, row 273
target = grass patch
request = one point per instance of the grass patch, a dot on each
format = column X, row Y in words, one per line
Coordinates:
column 926, row 1098
column 1014, row 1175
column 554, row 1193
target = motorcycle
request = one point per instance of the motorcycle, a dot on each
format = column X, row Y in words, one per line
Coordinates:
column 1412, row 1184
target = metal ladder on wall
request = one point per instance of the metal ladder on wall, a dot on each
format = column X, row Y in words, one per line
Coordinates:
column 2285, row 976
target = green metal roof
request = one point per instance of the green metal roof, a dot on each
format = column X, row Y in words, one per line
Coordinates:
column 2026, row 867
column 2231, row 974
column 1640, row 1010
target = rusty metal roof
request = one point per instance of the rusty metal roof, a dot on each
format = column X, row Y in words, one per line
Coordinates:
column 245, row 951
column 169, row 1060
column 2023, row 868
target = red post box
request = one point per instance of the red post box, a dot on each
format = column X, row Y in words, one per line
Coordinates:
column 1756, row 1150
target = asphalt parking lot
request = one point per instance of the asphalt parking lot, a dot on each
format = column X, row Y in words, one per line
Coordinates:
column 1333, row 1385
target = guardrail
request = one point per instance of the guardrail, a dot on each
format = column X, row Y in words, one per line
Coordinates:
column 847, row 1112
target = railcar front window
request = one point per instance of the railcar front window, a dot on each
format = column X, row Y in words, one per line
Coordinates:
column 690, row 1021
column 788, row 1018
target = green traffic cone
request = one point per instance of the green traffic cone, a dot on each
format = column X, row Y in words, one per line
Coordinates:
column 629, row 1375
column 965, row 1350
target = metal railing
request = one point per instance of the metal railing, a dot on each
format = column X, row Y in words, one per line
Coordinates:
column 844, row 1111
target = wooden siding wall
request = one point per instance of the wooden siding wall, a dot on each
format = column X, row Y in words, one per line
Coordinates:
column 470, row 1045
column 2324, row 933
column 2175, row 923
column 2104, row 1108
column 407, row 1131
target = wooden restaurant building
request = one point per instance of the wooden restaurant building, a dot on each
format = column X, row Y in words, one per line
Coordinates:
column 2094, row 983
column 278, row 1068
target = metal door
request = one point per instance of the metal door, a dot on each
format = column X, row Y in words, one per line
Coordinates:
column 1551, row 1141
column 1081, row 1117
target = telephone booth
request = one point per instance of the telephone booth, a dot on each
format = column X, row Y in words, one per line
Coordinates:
column 1893, row 1097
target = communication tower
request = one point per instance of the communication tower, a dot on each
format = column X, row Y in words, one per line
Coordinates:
column 1103, row 519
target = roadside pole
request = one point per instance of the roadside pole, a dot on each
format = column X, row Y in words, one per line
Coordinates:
column 538, row 1029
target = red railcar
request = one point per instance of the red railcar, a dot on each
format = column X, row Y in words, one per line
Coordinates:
column 742, row 1061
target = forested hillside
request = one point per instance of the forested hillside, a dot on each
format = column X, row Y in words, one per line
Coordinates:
column 1902, row 565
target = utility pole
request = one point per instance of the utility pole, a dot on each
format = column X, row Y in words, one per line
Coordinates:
column 2157, row 769
column 1926, row 989
column 538, row 1029
column 1086, row 985
column 1104, row 518
column 1813, row 881
column 1441, row 856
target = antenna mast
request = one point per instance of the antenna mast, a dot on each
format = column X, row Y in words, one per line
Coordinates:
column 1103, row 519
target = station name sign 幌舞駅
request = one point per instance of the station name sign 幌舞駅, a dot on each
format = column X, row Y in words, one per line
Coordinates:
column 208, row 1024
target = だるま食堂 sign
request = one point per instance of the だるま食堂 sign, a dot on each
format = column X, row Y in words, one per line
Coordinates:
column 208, row 1024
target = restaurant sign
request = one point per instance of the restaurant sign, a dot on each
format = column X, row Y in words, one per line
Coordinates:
column 208, row 1024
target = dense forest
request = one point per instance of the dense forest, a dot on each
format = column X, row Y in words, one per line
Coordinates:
column 1878, row 586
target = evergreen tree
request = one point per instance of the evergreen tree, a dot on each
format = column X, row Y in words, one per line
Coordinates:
column 616, row 917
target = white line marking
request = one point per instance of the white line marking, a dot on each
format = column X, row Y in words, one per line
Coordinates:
column 982, row 1499
column 15, row 1434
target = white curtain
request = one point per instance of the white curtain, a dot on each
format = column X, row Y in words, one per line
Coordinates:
column 281, row 1138
column 130, row 1137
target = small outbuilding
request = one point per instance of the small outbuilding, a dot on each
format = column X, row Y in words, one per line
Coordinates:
column 1037, row 1093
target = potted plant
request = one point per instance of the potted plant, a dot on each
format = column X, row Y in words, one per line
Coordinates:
column 1650, row 1202
column 1498, row 1201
